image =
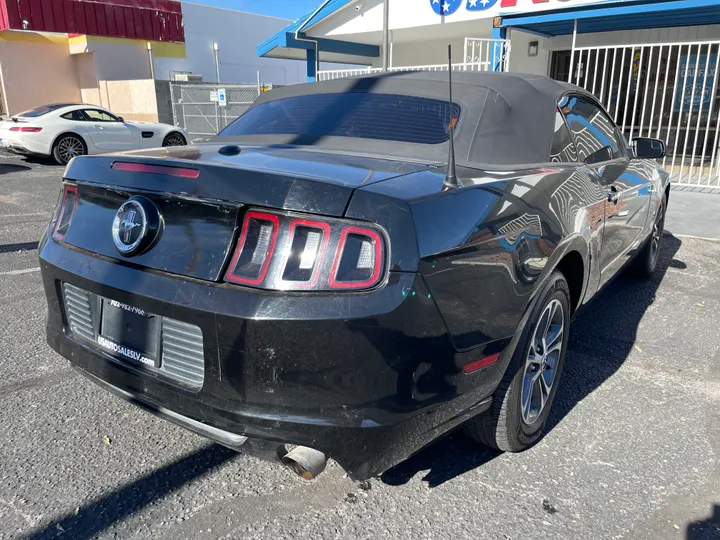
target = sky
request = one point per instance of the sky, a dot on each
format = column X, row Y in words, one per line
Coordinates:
column 286, row 9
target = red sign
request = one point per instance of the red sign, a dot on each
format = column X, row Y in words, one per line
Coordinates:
column 151, row 20
column 513, row 3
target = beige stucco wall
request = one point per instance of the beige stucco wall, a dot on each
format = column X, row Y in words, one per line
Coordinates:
column 133, row 100
column 87, row 78
column 37, row 73
column 41, row 68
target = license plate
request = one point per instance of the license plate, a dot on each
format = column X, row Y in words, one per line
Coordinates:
column 129, row 332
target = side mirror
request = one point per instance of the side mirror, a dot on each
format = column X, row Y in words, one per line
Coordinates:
column 647, row 148
column 604, row 154
column 121, row 119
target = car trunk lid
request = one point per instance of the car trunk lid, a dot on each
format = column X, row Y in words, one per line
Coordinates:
column 200, row 193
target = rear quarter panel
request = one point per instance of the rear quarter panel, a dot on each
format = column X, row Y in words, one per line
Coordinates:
column 486, row 249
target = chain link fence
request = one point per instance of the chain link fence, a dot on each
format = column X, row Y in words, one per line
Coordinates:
column 206, row 109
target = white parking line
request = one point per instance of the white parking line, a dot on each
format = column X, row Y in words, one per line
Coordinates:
column 25, row 215
column 696, row 237
column 18, row 272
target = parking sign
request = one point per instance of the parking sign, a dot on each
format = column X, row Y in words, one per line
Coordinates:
column 222, row 98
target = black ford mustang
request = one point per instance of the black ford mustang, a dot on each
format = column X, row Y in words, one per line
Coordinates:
column 315, row 276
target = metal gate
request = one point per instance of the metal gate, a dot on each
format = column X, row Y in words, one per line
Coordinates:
column 487, row 54
column 206, row 109
column 663, row 90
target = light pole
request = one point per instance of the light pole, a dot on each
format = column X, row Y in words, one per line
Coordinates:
column 150, row 58
column 216, row 48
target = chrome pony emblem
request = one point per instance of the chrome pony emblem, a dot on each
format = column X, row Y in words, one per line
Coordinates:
column 136, row 226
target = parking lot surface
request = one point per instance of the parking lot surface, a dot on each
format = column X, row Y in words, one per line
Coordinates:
column 633, row 450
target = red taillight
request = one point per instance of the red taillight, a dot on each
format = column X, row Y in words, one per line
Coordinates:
column 358, row 259
column 302, row 263
column 67, row 211
column 252, row 257
column 26, row 129
column 307, row 244
column 182, row 172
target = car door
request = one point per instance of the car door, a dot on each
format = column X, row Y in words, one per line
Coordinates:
column 109, row 133
column 605, row 153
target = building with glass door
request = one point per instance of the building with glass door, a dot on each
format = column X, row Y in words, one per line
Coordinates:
column 651, row 63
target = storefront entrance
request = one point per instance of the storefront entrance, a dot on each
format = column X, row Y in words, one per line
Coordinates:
column 560, row 65
column 654, row 66
column 667, row 91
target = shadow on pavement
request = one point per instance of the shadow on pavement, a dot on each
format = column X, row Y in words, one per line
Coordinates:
column 707, row 529
column 604, row 332
column 24, row 246
column 7, row 168
column 601, row 338
column 444, row 460
column 97, row 516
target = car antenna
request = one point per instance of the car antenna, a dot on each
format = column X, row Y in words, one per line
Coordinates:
column 451, row 181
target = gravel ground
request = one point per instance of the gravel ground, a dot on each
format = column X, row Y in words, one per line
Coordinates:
column 632, row 453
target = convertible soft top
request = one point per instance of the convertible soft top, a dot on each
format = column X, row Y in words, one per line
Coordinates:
column 505, row 118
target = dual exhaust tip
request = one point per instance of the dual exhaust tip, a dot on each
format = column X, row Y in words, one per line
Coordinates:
column 303, row 461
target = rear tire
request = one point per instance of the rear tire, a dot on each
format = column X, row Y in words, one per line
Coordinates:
column 523, row 399
column 645, row 262
column 174, row 139
column 67, row 147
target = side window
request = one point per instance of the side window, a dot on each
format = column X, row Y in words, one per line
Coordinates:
column 77, row 116
column 590, row 126
column 563, row 147
column 100, row 116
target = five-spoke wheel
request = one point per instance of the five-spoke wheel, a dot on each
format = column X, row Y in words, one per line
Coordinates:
column 546, row 348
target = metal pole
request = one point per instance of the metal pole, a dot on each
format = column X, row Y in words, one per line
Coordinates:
column 150, row 58
column 572, row 51
column 217, row 61
column 258, row 83
column 386, row 34
column 390, row 61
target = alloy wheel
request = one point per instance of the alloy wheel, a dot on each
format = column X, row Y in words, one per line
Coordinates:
column 657, row 233
column 546, row 348
column 70, row 147
column 174, row 139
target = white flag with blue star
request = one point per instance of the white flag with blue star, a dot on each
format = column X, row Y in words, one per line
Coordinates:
column 445, row 7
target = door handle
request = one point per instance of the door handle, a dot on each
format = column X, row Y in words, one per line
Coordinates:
column 613, row 195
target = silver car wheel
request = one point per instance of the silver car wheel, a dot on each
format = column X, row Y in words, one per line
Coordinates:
column 657, row 233
column 70, row 147
column 546, row 349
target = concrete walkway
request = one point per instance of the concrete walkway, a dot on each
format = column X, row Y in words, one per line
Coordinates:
column 693, row 214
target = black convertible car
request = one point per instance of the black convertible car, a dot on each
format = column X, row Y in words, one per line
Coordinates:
column 321, row 274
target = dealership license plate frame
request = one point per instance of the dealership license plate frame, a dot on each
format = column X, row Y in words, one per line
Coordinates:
column 113, row 338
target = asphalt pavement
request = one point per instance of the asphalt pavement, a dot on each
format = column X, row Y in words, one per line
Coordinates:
column 633, row 451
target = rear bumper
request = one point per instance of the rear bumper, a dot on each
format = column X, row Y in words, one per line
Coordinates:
column 24, row 147
column 368, row 379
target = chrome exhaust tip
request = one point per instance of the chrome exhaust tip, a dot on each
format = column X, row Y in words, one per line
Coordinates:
column 305, row 462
